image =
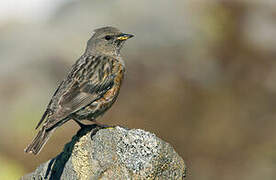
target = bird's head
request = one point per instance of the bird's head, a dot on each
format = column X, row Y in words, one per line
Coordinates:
column 107, row 40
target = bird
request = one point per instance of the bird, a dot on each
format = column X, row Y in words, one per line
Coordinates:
column 89, row 89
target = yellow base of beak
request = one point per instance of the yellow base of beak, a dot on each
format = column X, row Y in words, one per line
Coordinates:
column 122, row 38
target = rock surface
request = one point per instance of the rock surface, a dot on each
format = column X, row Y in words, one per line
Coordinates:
column 113, row 153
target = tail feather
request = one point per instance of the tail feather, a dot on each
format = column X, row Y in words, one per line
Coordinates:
column 39, row 141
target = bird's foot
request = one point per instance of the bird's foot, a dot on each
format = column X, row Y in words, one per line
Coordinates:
column 104, row 126
column 80, row 124
column 95, row 123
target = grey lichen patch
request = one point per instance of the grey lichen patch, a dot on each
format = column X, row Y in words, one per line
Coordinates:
column 103, row 147
column 136, row 148
column 114, row 153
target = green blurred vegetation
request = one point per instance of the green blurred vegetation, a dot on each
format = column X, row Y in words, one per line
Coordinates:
column 9, row 169
column 200, row 75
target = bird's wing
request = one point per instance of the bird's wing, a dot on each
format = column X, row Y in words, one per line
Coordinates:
column 47, row 111
column 82, row 94
column 83, row 86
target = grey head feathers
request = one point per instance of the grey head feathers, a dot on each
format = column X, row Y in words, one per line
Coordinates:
column 107, row 41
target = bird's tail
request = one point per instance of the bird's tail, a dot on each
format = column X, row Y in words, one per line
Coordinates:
column 39, row 141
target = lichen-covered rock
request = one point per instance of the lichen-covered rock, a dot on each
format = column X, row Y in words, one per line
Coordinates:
column 113, row 153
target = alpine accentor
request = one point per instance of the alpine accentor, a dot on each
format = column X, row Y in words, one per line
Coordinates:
column 90, row 88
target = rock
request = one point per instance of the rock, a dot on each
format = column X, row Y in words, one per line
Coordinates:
column 113, row 153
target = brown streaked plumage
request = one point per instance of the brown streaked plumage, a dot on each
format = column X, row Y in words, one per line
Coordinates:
column 90, row 88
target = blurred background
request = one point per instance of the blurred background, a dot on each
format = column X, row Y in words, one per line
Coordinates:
column 200, row 75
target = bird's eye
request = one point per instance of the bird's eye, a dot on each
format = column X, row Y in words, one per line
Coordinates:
column 107, row 37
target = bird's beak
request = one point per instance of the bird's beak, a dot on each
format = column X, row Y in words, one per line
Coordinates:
column 123, row 36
